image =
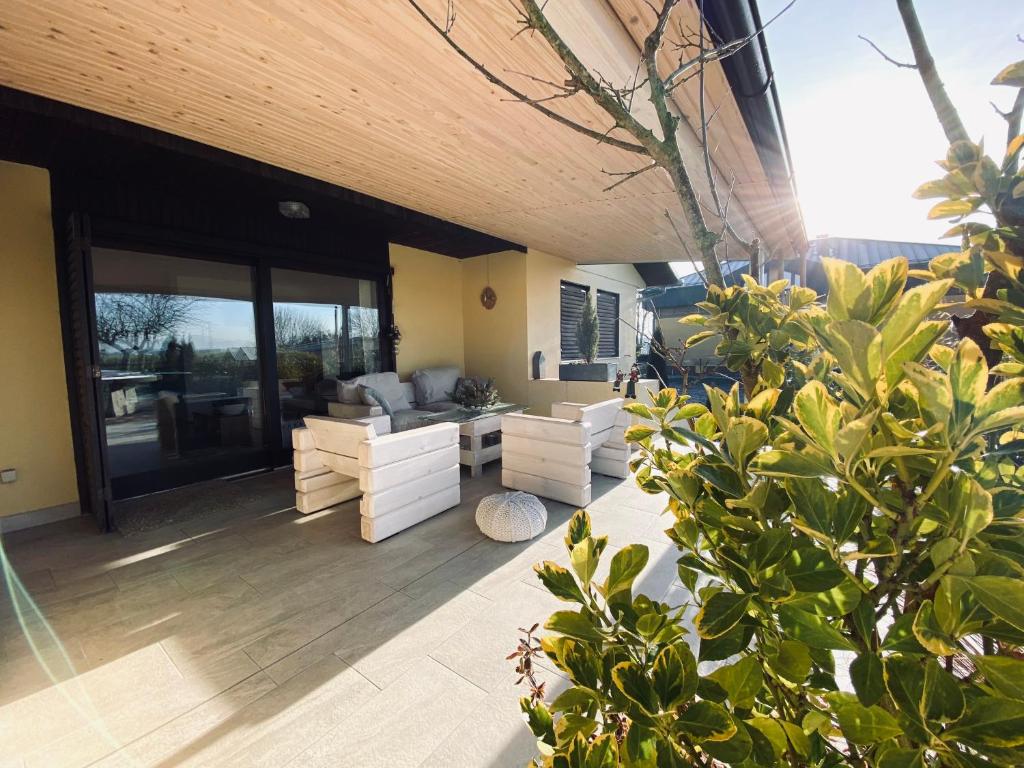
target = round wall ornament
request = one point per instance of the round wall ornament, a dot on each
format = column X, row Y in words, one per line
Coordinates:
column 488, row 297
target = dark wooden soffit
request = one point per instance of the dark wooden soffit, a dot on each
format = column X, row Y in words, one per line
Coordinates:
column 656, row 273
column 52, row 134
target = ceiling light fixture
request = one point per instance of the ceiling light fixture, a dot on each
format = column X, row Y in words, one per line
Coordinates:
column 293, row 209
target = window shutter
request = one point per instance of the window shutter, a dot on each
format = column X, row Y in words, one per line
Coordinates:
column 608, row 319
column 573, row 296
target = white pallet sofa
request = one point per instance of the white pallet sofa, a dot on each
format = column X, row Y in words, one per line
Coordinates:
column 554, row 456
column 403, row 478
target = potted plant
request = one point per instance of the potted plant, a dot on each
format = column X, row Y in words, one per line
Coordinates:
column 588, row 337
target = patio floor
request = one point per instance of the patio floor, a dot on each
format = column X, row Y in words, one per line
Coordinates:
column 255, row 636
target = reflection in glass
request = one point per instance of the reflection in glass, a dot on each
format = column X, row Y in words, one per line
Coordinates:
column 326, row 327
column 180, row 374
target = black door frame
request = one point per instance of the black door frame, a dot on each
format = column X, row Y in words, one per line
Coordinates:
column 261, row 260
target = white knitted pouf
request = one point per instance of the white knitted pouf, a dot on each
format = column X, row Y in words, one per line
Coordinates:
column 514, row 516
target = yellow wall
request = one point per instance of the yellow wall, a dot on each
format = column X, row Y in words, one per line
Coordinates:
column 428, row 309
column 496, row 338
column 35, row 428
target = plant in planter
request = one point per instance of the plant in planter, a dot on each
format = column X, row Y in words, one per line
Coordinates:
column 475, row 393
column 588, row 338
column 851, row 532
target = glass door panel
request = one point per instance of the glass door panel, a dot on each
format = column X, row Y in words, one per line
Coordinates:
column 179, row 369
column 326, row 327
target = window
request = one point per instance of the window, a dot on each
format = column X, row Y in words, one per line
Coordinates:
column 573, row 296
column 608, row 322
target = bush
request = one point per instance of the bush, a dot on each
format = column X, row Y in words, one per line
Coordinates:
column 851, row 531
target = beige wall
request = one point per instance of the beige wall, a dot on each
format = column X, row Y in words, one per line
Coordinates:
column 428, row 309
column 35, row 428
column 676, row 333
column 496, row 339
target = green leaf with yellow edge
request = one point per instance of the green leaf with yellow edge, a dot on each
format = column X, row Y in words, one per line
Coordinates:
column 584, row 558
column 990, row 722
column 1004, row 674
column 779, row 463
column 812, row 629
column 638, row 409
column 1002, row 595
column 813, row 569
column 887, row 280
column 574, row 625
column 849, row 293
column 920, row 342
column 838, row 601
column 734, row 750
column 773, row 732
column 867, row 678
column 1011, row 75
column 913, row 307
column 968, row 375
column 857, row 347
column 674, row 675
column 630, row 679
column 744, row 436
column 705, row 721
column 929, row 634
column 947, row 209
column 1003, row 396
column 538, row 718
column 860, row 724
column 559, row 582
column 637, row 432
column 720, row 613
column 626, row 565
column 935, row 395
column 818, row 414
column 742, row 681
column 603, row 752
column 797, row 738
column 790, row 660
column 850, row 436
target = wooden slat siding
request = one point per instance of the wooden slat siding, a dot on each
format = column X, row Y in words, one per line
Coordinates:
column 608, row 321
column 572, row 300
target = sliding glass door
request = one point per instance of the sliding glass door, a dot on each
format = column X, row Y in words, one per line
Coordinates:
column 326, row 327
column 179, row 360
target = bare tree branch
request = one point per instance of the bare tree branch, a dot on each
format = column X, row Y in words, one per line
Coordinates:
column 886, row 56
column 626, row 175
column 686, row 249
column 519, row 95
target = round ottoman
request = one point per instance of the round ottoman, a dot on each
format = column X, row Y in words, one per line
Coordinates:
column 514, row 516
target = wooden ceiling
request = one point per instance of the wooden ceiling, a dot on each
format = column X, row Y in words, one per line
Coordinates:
column 366, row 96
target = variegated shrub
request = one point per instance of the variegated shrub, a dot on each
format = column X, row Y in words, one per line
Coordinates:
column 850, row 530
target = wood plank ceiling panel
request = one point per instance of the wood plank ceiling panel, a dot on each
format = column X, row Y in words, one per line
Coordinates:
column 366, row 96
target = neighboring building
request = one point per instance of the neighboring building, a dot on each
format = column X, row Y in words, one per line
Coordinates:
column 670, row 303
column 170, row 180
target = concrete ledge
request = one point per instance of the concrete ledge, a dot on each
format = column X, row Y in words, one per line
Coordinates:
column 40, row 516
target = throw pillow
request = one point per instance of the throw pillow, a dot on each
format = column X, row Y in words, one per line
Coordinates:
column 371, row 396
column 434, row 385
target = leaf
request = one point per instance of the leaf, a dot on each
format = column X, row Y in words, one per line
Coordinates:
column 576, row 696
column 721, row 613
column 575, row 625
column 629, row 678
column 968, row 375
column 735, row 749
column 914, row 306
column 791, row 661
column 867, row 678
column 742, row 681
column 771, row 547
column 603, row 752
column 864, row 725
column 838, row 601
column 1012, row 75
column 584, row 558
column 1003, row 396
column 801, row 744
column 935, row 395
column 848, row 289
column 812, row 569
column 1004, row 674
column 1002, row 595
column 626, row 565
column 887, row 280
column 923, row 692
column 674, row 675
column 850, row 437
column 559, row 582
column 773, row 732
column 818, row 414
column 578, row 529
column 857, row 347
column 990, row 722
column 930, row 634
column 812, row 629
column 947, row 209
column 638, row 432
column 539, row 719
column 779, row 463
column 705, row 721
column 744, row 436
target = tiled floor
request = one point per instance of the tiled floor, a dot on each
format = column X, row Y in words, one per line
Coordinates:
column 256, row 636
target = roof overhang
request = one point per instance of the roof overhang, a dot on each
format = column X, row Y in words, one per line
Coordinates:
column 368, row 98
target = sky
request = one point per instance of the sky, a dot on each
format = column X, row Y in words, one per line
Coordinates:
column 862, row 132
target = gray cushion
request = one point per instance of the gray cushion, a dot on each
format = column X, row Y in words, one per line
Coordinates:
column 387, row 384
column 434, row 385
column 438, row 407
column 371, row 396
column 407, row 419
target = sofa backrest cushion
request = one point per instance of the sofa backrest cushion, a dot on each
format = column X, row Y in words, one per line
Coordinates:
column 386, row 383
column 433, row 385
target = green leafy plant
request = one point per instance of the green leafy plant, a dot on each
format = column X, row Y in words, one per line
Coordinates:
column 588, row 330
column 851, row 531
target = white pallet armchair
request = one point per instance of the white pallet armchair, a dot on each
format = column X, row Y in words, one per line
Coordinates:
column 403, row 478
column 555, row 456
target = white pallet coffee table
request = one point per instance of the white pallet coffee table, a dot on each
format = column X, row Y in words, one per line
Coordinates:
column 479, row 432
